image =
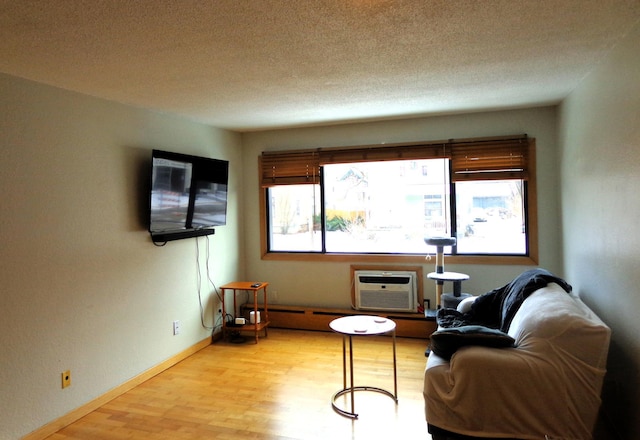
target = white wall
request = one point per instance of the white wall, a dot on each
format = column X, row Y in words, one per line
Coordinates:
column 600, row 138
column 328, row 284
column 82, row 286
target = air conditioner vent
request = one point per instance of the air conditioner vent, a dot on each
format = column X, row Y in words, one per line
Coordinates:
column 386, row 291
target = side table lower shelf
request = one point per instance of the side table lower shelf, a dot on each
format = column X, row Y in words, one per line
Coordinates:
column 262, row 326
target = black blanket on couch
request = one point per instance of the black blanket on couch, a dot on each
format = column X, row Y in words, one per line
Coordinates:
column 496, row 309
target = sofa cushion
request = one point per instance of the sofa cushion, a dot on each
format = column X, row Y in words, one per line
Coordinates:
column 564, row 322
column 497, row 308
column 445, row 342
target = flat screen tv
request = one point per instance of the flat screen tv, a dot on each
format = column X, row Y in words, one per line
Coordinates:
column 188, row 196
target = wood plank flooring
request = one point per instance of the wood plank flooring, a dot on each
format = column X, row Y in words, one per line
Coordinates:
column 279, row 389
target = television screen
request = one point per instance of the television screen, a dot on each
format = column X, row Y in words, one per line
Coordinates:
column 188, row 195
column 210, row 207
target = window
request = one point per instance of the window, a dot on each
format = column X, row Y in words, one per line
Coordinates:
column 294, row 220
column 379, row 207
column 491, row 217
column 384, row 200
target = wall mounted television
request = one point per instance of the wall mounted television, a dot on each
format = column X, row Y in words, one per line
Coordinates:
column 188, row 196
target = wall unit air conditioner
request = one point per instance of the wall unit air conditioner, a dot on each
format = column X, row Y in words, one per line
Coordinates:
column 386, row 291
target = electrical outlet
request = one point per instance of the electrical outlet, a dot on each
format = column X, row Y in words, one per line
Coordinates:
column 66, row 378
column 176, row 328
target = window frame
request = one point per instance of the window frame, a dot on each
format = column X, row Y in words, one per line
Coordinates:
column 305, row 173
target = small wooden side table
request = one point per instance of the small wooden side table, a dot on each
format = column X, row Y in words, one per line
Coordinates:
column 247, row 286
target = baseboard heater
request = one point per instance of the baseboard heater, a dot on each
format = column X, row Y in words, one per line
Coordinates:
column 410, row 325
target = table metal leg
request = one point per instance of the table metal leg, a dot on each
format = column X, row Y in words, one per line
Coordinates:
column 344, row 362
column 353, row 404
column 352, row 388
column 395, row 371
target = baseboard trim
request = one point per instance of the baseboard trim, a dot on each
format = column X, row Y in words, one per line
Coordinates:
column 56, row 425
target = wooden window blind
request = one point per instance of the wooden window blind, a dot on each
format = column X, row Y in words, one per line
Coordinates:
column 471, row 159
column 289, row 168
column 383, row 153
column 490, row 159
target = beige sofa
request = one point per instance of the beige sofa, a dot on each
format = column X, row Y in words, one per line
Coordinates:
column 547, row 385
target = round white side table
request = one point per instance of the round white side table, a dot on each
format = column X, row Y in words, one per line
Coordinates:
column 361, row 325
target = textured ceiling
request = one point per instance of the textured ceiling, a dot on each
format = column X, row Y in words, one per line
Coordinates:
column 257, row 64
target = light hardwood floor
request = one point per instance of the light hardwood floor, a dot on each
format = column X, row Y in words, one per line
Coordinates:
column 279, row 388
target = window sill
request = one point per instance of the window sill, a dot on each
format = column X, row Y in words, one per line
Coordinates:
column 398, row 258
